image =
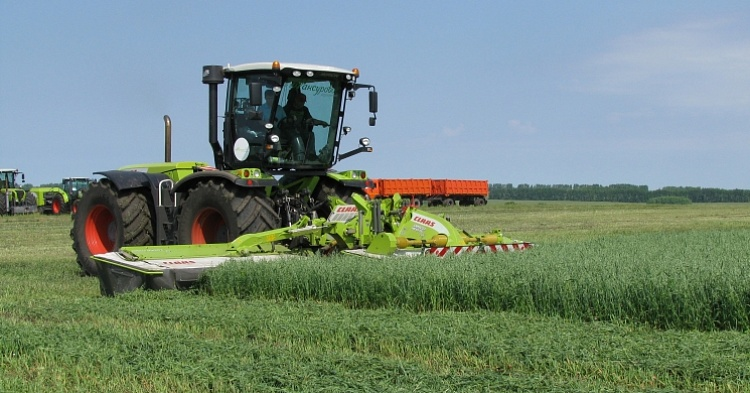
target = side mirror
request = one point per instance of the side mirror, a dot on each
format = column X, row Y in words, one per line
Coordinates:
column 373, row 106
column 373, row 101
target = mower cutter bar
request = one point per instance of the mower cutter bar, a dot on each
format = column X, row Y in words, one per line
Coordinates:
column 118, row 274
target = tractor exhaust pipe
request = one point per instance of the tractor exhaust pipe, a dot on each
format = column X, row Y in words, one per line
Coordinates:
column 213, row 76
column 167, row 139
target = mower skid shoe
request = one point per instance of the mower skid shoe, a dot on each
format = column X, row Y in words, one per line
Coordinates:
column 114, row 279
column 119, row 275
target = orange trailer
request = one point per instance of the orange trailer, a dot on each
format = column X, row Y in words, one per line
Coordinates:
column 433, row 192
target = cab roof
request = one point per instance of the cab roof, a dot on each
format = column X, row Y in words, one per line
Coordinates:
column 265, row 66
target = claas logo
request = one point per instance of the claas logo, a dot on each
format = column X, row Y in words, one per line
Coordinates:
column 424, row 221
column 346, row 209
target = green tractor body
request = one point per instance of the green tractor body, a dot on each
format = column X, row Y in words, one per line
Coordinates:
column 14, row 199
column 271, row 190
column 59, row 200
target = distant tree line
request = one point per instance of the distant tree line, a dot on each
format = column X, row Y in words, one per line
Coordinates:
column 612, row 193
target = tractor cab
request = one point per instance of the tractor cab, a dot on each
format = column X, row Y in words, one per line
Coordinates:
column 75, row 186
column 8, row 178
column 283, row 117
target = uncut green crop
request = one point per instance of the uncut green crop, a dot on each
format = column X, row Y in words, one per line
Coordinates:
column 687, row 280
column 58, row 334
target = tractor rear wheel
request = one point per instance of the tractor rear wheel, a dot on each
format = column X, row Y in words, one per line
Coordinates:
column 3, row 204
column 214, row 213
column 30, row 202
column 58, row 205
column 108, row 219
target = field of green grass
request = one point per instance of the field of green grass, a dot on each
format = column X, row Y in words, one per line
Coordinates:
column 613, row 298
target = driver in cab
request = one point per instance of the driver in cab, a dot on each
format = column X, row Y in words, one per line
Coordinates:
column 297, row 125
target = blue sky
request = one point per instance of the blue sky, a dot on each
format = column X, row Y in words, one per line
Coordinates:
column 652, row 93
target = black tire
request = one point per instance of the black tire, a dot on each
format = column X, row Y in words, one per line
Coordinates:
column 107, row 220
column 448, row 202
column 3, row 204
column 58, row 205
column 328, row 188
column 30, row 199
column 480, row 201
column 213, row 213
column 29, row 202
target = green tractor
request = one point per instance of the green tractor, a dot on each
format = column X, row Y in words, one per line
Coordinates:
column 267, row 174
column 14, row 199
column 270, row 192
column 64, row 199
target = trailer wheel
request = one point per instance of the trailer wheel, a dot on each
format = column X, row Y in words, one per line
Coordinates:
column 480, row 201
column 213, row 213
column 107, row 220
column 448, row 202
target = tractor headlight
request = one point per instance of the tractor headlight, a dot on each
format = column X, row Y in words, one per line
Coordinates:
column 364, row 141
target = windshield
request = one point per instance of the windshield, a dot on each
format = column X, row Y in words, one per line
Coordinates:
column 7, row 180
column 75, row 185
column 303, row 112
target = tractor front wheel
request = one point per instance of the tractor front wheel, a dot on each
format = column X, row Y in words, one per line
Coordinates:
column 213, row 212
column 108, row 219
column 58, row 205
column 329, row 188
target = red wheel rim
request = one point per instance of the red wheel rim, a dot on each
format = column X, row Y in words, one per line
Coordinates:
column 208, row 227
column 56, row 207
column 100, row 230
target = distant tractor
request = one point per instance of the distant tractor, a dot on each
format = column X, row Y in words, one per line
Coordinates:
column 60, row 200
column 14, row 199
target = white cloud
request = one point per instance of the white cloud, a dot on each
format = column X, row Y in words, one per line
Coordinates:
column 521, row 127
column 453, row 131
column 690, row 65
